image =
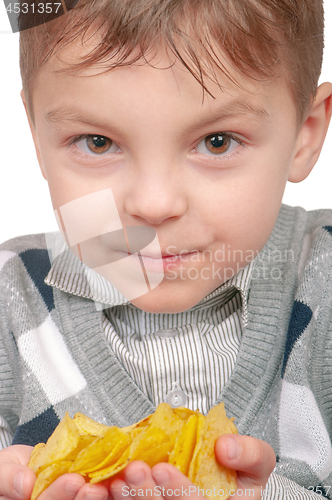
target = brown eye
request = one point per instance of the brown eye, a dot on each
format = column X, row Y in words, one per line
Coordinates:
column 98, row 144
column 218, row 143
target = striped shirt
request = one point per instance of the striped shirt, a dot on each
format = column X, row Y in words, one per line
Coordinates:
column 185, row 358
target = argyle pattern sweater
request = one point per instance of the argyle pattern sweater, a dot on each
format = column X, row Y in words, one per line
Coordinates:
column 54, row 356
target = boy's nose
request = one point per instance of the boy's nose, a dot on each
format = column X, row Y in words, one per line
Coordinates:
column 155, row 200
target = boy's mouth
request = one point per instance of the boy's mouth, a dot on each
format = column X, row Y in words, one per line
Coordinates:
column 165, row 261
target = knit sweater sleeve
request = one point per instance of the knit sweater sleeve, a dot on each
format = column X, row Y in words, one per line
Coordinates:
column 10, row 366
column 24, row 263
column 303, row 443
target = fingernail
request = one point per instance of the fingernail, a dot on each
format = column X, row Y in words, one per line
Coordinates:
column 135, row 477
column 18, row 483
column 233, row 448
column 72, row 488
column 161, row 476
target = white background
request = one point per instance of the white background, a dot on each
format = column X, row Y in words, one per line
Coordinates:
column 25, row 206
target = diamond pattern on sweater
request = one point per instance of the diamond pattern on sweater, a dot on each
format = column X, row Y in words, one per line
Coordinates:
column 300, row 319
column 38, row 429
column 37, row 263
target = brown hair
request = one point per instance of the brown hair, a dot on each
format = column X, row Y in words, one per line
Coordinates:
column 262, row 38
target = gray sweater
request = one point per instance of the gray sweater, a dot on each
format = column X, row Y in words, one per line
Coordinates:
column 54, row 355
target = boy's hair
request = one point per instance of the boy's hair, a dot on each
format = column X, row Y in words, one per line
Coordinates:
column 263, row 39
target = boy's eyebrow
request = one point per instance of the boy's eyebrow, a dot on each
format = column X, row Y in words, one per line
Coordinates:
column 233, row 109
column 65, row 113
column 71, row 113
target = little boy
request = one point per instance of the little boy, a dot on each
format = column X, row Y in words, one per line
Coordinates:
column 167, row 131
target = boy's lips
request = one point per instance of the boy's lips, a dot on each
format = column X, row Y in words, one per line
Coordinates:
column 163, row 255
column 166, row 255
column 165, row 261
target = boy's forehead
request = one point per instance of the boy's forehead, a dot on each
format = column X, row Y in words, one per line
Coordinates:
column 160, row 74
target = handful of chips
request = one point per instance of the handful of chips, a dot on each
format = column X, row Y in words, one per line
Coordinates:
column 180, row 436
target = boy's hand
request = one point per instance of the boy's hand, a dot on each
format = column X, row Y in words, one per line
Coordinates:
column 253, row 459
column 17, row 480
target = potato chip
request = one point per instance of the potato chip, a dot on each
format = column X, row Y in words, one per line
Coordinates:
column 166, row 419
column 139, row 425
column 208, row 472
column 182, row 437
column 183, row 412
column 86, row 425
column 101, row 475
column 64, row 440
column 184, row 446
column 199, row 438
column 152, row 446
column 149, row 438
column 48, row 475
column 35, row 462
column 102, row 452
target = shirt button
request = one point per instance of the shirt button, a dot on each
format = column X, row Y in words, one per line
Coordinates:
column 177, row 398
column 167, row 333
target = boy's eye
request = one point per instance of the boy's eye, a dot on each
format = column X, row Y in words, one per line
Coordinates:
column 97, row 144
column 217, row 144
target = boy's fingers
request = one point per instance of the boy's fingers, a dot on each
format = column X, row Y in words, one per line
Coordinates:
column 92, row 492
column 65, row 487
column 16, row 481
column 174, row 484
column 137, row 478
column 17, row 454
column 252, row 458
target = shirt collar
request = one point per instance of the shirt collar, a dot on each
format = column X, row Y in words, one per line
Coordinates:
column 70, row 275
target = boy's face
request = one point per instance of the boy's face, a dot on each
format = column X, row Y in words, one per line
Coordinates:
column 208, row 175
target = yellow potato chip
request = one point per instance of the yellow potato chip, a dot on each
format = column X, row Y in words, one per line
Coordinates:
column 192, row 466
column 102, row 452
column 149, row 439
column 59, row 447
column 180, row 436
column 34, row 462
column 208, row 472
column 86, row 425
column 135, row 432
column 101, row 475
column 153, row 446
column 184, row 446
column 183, row 412
column 165, row 419
column 48, row 475
column 139, row 425
column 156, row 455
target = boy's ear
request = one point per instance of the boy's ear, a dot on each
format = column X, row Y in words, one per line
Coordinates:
column 34, row 135
column 312, row 134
